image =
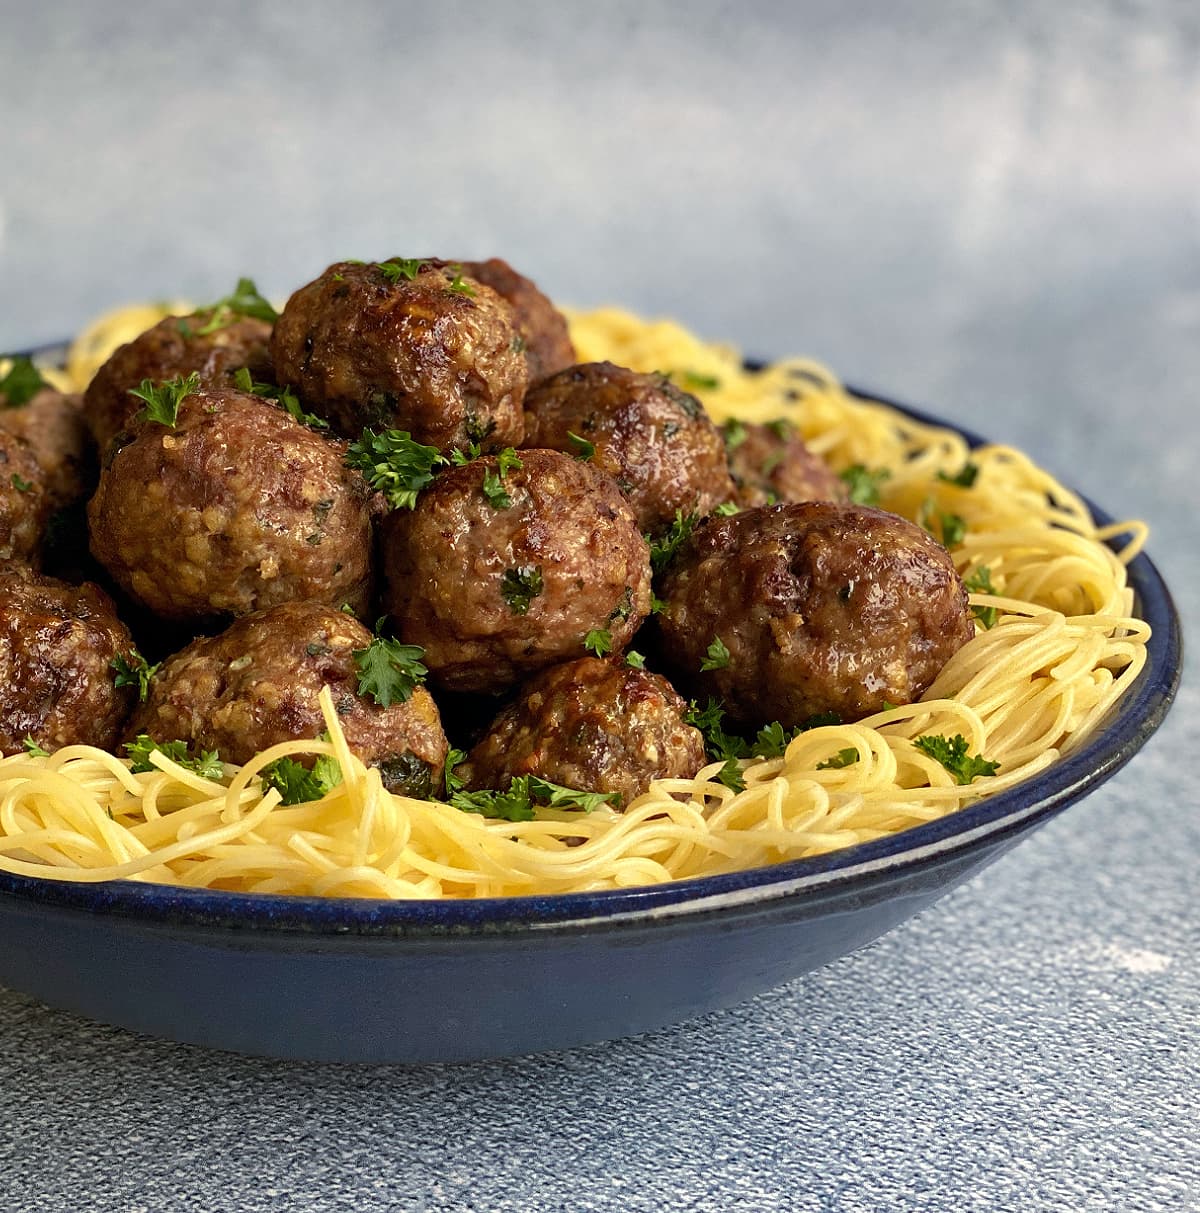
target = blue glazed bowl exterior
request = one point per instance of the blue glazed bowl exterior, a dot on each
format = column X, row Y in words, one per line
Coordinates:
column 374, row 981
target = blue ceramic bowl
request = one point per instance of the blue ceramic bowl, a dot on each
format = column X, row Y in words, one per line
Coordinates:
column 373, row 981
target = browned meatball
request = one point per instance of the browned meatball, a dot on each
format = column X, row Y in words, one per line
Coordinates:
column 53, row 424
column 57, row 645
column 655, row 440
column 497, row 585
column 592, row 725
column 819, row 608
column 409, row 345
column 771, row 465
column 25, row 503
column 543, row 328
column 235, row 508
column 176, row 346
column 257, row 684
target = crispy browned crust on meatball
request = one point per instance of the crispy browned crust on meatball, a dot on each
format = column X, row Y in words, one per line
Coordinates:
column 173, row 347
column 542, row 326
column 496, row 592
column 236, row 508
column 57, row 643
column 655, row 440
column 593, row 725
column 25, row 503
column 771, row 465
column 53, row 424
column 438, row 355
column 822, row 607
column 257, row 683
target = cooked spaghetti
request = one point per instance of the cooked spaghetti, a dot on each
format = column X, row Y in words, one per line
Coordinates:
column 1056, row 645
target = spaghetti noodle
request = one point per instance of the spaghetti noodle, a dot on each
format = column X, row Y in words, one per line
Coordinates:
column 1056, row 645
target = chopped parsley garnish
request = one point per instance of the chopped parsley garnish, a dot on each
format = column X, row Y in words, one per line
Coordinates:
column 662, row 551
column 863, row 483
column 162, row 400
column 21, row 382
column 133, row 670
column 694, row 381
column 657, row 605
column 717, row 656
column 395, row 268
column 635, row 660
column 731, row 776
column 297, row 784
column 245, row 301
column 727, row 509
column 33, row 749
column 394, row 464
column 458, row 284
column 207, row 764
column 520, row 586
column 771, row 742
column 843, row 758
column 951, row 752
column 493, row 481
column 20, row 483
column 598, row 641
column 734, row 433
column 980, row 582
column 624, row 608
column 453, row 782
column 583, row 448
column 965, row 477
column 954, row 528
column 527, row 793
column 782, row 428
column 389, row 671
column 282, row 395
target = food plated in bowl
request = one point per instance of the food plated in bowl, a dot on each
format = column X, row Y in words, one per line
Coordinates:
column 531, row 947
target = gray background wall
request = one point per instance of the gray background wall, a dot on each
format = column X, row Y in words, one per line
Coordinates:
column 988, row 208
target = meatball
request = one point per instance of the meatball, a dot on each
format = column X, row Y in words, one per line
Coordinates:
column 25, row 501
column 54, row 426
column 770, row 464
column 591, row 725
column 501, row 571
column 655, row 440
column 57, row 645
column 257, row 683
column 811, row 608
column 409, row 345
column 176, row 346
column 543, row 328
column 235, row 508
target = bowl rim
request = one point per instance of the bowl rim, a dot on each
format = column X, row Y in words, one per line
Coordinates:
column 1135, row 718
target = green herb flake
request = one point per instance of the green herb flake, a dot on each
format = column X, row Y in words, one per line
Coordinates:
column 296, row 783
column 954, row 529
column 161, row 401
column 583, row 448
column 207, row 764
column 245, row 301
column 133, row 670
column 598, row 641
column 21, row 382
column 635, row 660
column 493, row 481
column 394, row 464
column 33, row 749
column 843, row 758
column 525, row 794
column 389, row 671
column 717, row 657
column 458, row 284
column 727, row 509
column 662, row 551
column 980, row 582
column 453, row 782
column 965, row 477
column 734, row 433
column 863, row 483
column 696, row 382
column 951, row 752
column 731, row 776
column 520, row 586
column 20, row 483
column 395, row 268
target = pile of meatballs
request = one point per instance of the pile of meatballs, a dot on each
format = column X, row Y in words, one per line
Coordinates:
column 248, row 558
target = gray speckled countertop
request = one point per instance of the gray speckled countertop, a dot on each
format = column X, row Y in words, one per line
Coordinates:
column 988, row 209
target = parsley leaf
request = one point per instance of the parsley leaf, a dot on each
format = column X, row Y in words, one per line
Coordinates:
column 662, row 551
column 694, row 381
column 635, row 660
column 389, row 671
column 951, row 752
column 207, row 764
column 296, row 784
column 772, row 740
column 453, row 782
column 863, row 483
column 727, row 509
column 965, row 477
column 493, row 481
column 394, row 464
column 162, row 400
column 520, row 586
column 954, row 528
column 717, row 656
column 395, row 268
column 598, row 641
column 524, row 795
column 583, row 448
column 21, row 382
column 980, row 582
column 458, row 284
column 20, row 483
column 245, row 301
column 133, row 670
column 244, row 381
column 33, row 749
column 843, row 758
column 731, row 775
column 734, row 433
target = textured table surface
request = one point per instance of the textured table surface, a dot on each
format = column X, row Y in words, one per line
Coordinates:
column 989, row 210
